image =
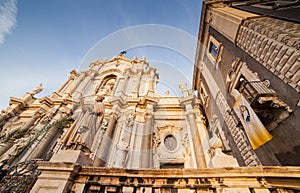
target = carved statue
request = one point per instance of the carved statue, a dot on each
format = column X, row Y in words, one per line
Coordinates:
column 121, row 154
column 134, row 60
column 38, row 89
column 90, row 121
column 15, row 149
column 10, row 127
column 156, row 139
column 19, row 144
column 107, row 88
column 129, row 121
column 185, row 140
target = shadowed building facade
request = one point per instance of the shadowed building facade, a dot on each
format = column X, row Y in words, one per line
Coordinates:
column 247, row 61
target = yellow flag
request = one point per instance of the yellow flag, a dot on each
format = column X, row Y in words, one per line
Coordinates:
column 256, row 131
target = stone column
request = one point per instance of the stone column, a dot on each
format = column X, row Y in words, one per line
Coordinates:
column 62, row 87
column 196, row 140
column 72, row 77
column 6, row 146
column 146, row 149
column 103, row 152
column 31, row 121
column 75, row 84
column 83, row 84
column 24, row 130
column 43, row 146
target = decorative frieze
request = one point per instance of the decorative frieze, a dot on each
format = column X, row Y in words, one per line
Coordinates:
column 275, row 47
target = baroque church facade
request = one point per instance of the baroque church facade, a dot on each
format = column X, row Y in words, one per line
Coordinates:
column 108, row 116
column 114, row 117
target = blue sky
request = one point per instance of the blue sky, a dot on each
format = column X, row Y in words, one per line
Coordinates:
column 42, row 41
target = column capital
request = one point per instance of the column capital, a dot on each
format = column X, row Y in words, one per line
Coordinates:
column 114, row 115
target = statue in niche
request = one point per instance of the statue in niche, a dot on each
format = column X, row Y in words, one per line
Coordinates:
column 11, row 128
column 107, row 88
column 90, row 121
column 37, row 90
column 19, row 144
column 16, row 148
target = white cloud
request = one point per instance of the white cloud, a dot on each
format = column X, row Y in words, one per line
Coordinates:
column 8, row 17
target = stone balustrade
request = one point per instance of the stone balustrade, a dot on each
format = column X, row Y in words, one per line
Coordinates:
column 243, row 179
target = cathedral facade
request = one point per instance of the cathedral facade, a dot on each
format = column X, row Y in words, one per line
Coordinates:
column 108, row 116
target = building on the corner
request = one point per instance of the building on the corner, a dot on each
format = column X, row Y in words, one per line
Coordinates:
column 247, row 74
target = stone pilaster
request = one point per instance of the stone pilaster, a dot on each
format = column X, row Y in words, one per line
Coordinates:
column 196, row 140
column 83, row 84
column 190, row 114
column 146, row 149
column 73, row 75
column 73, row 86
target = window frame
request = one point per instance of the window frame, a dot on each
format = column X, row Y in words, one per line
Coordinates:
column 219, row 48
